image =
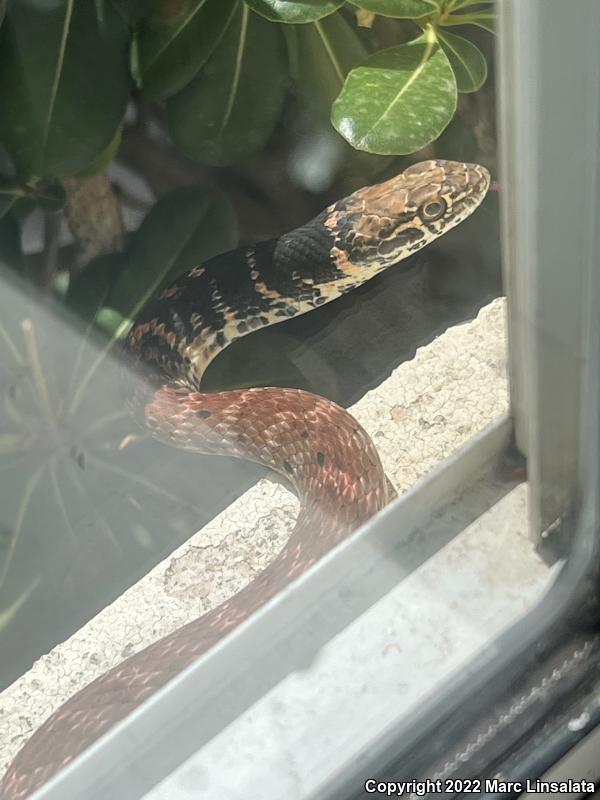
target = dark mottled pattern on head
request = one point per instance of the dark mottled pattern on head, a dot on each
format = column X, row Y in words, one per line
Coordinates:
column 379, row 225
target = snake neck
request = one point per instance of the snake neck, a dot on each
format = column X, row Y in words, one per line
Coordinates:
column 314, row 444
column 235, row 294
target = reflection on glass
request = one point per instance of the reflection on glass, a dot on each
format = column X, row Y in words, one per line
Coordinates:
column 247, row 120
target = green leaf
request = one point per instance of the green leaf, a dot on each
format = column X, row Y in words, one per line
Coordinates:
column 131, row 10
column 50, row 196
column 63, row 84
column 290, row 35
column 10, row 242
column 399, row 100
column 402, row 9
column 327, row 51
column 10, row 192
column 294, row 11
column 22, row 207
column 321, row 54
column 466, row 59
column 112, row 323
column 175, row 40
column 229, row 111
column 482, row 19
column 187, row 226
column 89, row 290
column 3, row 4
column 106, row 156
column 455, row 5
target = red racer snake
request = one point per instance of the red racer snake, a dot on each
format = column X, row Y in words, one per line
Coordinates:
column 319, row 448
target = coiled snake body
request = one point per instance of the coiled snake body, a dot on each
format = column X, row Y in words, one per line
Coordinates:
column 319, row 448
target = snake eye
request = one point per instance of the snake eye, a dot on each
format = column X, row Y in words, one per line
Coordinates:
column 433, row 209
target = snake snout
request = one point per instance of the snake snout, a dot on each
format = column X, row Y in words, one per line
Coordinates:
column 478, row 177
column 461, row 175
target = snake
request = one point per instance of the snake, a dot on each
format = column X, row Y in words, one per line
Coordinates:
column 320, row 450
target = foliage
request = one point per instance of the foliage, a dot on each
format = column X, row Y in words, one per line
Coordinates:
column 221, row 67
column 212, row 81
column 216, row 75
column 50, row 56
column 83, row 494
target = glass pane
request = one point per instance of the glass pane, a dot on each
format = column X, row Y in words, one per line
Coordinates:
column 224, row 223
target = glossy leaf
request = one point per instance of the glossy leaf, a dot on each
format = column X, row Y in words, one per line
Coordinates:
column 466, row 59
column 294, row 11
column 175, row 40
column 327, row 51
column 10, row 242
column 89, row 289
column 3, row 4
column 229, row 111
column 130, row 10
column 403, row 9
column 187, row 226
column 320, row 154
column 483, row 19
column 458, row 4
column 290, row 36
column 100, row 163
column 21, row 207
column 72, row 85
column 9, row 194
column 49, row 195
column 399, row 100
column 113, row 324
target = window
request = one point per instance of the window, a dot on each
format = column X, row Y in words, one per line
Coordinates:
column 450, row 635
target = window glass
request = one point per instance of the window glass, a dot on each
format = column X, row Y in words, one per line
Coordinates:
column 222, row 224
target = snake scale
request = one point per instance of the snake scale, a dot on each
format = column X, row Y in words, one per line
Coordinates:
column 318, row 447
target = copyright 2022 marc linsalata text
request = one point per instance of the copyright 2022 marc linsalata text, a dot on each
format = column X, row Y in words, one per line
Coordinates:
column 439, row 786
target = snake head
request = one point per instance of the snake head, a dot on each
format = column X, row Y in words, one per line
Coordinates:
column 382, row 224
